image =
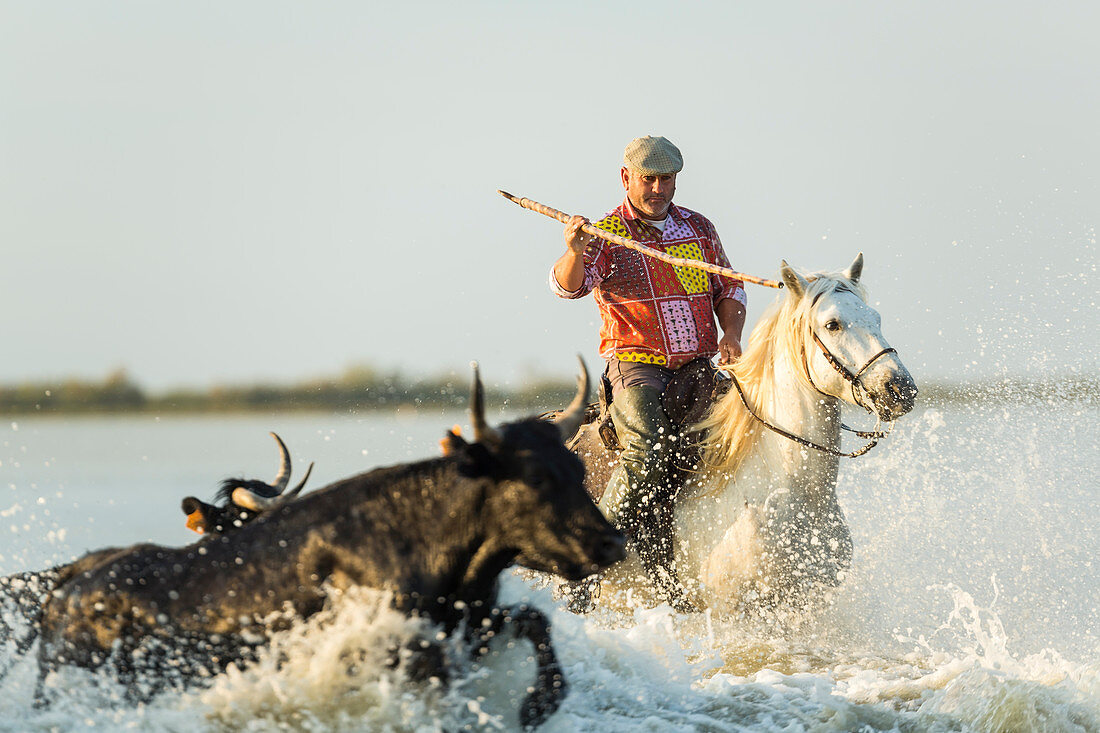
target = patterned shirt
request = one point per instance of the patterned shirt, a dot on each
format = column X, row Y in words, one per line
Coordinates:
column 654, row 312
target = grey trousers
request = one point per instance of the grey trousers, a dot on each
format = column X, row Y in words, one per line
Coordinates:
column 639, row 496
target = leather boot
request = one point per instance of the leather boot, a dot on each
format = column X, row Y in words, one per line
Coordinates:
column 639, row 495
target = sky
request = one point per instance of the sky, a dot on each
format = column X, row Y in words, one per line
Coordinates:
column 222, row 192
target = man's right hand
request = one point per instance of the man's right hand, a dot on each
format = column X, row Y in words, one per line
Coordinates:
column 575, row 239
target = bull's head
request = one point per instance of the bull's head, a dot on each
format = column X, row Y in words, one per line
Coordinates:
column 241, row 500
column 536, row 497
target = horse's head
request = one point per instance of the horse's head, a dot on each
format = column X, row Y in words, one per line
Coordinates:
column 843, row 350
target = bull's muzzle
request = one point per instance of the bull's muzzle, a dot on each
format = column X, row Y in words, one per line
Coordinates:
column 610, row 549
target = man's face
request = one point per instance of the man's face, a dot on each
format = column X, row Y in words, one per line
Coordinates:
column 650, row 195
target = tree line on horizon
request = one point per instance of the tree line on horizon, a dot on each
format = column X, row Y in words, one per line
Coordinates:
column 366, row 389
column 356, row 389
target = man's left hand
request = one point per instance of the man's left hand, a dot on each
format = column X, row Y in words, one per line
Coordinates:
column 729, row 349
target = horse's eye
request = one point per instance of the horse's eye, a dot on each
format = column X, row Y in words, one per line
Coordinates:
column 833, row 325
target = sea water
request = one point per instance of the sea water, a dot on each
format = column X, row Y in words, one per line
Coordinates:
column 971, row 604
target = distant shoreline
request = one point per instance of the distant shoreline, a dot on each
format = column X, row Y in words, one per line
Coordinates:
column 357, row 390
column 362, row 390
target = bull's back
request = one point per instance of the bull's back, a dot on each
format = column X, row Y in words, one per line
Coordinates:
column 359, row 531
column 599, row 462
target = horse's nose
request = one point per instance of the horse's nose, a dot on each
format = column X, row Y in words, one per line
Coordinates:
column 902, row 393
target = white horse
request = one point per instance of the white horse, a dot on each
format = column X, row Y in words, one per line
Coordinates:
column 760, row 522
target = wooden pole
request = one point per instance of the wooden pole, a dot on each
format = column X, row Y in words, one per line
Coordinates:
column 638, row 246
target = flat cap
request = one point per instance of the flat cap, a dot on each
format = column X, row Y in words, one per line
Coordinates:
column 653, row 156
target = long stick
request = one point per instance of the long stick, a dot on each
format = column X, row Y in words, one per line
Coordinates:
column 638, row 246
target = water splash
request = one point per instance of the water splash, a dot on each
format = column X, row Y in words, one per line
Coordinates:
column 969, row 607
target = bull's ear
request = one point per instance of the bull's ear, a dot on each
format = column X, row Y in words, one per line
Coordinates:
column 452, row 442
column 196, row 512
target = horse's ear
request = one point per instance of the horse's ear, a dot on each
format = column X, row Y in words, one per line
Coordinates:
column 795, row 283
column 855, row 269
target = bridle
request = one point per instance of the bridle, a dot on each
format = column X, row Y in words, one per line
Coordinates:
column 873, row 436
column 852, row 379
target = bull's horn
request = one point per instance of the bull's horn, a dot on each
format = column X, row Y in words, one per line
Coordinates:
column 482, row 432
column 263, row 504
column 301, row 484
column 283, row 477
column 569, row 422
column 250, row 500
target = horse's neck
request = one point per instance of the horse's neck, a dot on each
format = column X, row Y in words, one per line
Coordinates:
column 809, row 414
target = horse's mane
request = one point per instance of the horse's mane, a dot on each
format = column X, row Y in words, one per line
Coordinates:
column 728, row 432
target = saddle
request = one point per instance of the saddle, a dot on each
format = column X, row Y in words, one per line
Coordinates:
column 693, row 389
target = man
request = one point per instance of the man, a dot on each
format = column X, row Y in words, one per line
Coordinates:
column 657, row 318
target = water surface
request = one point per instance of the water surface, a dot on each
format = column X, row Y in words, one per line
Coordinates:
column 971, row 604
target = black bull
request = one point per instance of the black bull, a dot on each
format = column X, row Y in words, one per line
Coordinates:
column 436, row 534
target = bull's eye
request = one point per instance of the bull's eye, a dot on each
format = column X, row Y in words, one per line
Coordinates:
column 832, row 325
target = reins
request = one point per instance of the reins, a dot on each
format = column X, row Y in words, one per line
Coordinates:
column 873, row 436
column 853, row 379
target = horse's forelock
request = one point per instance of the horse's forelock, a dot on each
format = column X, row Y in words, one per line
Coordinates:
column 826, row 283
